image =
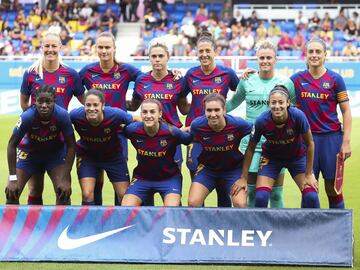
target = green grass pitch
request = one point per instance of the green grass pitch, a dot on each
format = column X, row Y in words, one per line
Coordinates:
column 351, row 192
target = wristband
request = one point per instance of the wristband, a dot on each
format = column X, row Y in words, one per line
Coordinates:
column 13, row 177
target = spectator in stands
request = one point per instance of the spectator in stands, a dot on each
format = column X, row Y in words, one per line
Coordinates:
column 133, row 10
column 201, row 14
column 314, row 22
column 21, row 19
column 247, row 40
column 238, row 18
column 33, row 20
column 36, row 42
column 261, row 32
column 94, row 21
column 301, row 21
column 274, row 30
column 108, row 22
column 349, row 49
column 351, row 31
column 124, row 6
column 64, row 37
column 252, row 21
column 326, row 23
column 202, row 10
column 213, row 16
column 150, row 20
column 86, row 11
column 188, row 19
column 226, row 18
column 355, row 17
column 299, row 41
column 163, row 22
column 17, row 33
column 285, row 42
column 340, row 20
column 274, row 39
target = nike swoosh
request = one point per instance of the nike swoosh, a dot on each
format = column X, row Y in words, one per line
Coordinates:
column 66, row 243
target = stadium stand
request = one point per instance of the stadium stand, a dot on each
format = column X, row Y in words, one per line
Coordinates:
column 180, row 22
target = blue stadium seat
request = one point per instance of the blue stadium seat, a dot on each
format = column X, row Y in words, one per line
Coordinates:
column 75, row 52
column 180, row 7
column 297, row 53
column 101, row 8
column 115, row 8
column 79, row 35
column 93, row 33
column 29, row 34
column 10, row 16
column 338, row 35
column 284, row 53
column 169, row 8
column 287, row 26
column 338, row 45
column 249, row 53
column 193, row 7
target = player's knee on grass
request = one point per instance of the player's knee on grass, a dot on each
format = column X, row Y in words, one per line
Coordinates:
column 262, row 197
column 310, row 198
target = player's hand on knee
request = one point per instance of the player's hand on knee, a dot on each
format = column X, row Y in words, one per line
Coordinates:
column 310, row 181
column 238, row 186
column 12, row 191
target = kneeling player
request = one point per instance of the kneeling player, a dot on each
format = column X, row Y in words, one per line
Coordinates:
column 99, row 147
column 155, row 143
column 39, row 136
column 285, row 128
column 220, row 160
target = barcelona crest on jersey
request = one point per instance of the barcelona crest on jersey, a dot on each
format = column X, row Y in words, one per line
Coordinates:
column 117, row 75
column 163, row 143
column 61, row 80
column 106, row 130
column 218, row 80
column 169, row 86
column 326, row 85
column 230, row 137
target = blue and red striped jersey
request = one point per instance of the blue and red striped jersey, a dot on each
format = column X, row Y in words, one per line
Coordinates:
column 40, row 136
column 65, row 80
column 199, row 85
column 318, row 99
column 114, row 83
column 99, row 142
column 282, row 143
column 166, row 91
column 220, row 149
column 155, row 155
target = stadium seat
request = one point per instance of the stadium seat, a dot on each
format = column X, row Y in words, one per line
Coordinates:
column 284, row 53
column 180, row 7
column 115, row 8
column 249, row 53
column 101, row 8
column 10, row 16
column 193, row 7
column 297, row 53
column 287, row 26
column 29, row 34
column 169, row 8
column 79, row 35
column 338, row 45
column 75, row 52
column 338, row 35
column 82, row 27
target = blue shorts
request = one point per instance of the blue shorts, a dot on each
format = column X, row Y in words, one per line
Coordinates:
column 178, row 155
column 115, row 168
column 272, row 167
column 211, row 179
column 193, row 151
column 327, row 146
column 124, row 144
column 37, row 162
column 145, row 189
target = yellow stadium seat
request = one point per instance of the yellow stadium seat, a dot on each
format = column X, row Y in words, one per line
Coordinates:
column 82, row 27
column 73, row 25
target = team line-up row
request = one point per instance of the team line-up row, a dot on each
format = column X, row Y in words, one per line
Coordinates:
column 297, row 139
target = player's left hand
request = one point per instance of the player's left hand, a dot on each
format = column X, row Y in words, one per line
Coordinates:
column 177, row 74
column 238, row 186
column 311, row 181
column 345, row 150
column 246, row 74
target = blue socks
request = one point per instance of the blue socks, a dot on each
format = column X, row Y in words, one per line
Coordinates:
column 310, row 198
column 262, row 197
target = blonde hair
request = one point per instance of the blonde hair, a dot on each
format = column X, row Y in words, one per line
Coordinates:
column 159, row 43
column 265, row 44
column 38, row 65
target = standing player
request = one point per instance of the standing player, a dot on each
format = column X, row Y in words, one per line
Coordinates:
column 318, row 92
column 159, row 84
column 255, row 91
column 285, row 129
column 220, row 160
column 155, row 143
column 113, row 79
column 39, row 135
column 99, row 147
column 200, row 81
column 48, row 70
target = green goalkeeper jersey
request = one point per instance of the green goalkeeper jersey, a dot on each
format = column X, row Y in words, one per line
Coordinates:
column 255, row 91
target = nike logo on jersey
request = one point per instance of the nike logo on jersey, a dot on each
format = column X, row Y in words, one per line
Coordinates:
column 195, row 81
column 139, row 141
column 66, row 243
column 35, row 128
column 146, row 86
column 206, row 138
column 94, row 75
column 304, row 83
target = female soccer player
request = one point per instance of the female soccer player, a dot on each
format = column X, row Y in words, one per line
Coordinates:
column 202, row 80
column 159, row 84
column 48, row 70
column 155, row 143
column 318, row 92
column 220, row 160
column 99, row 147
column 255, row 91
column 46, row 142
column 286, row 129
